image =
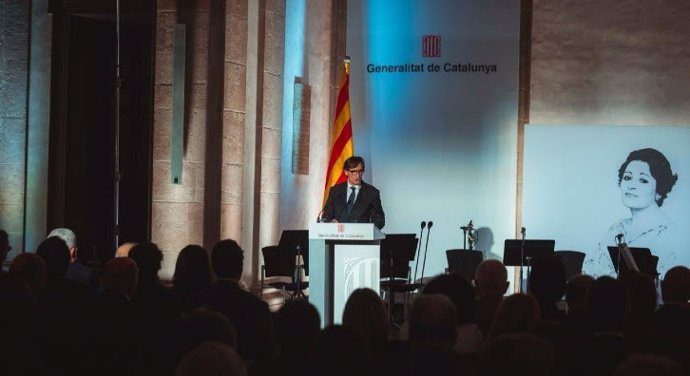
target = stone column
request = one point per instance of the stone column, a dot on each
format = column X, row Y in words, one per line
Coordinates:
column 261, row 177
column 177, row 209
column 14, row 76
column 234, row 118
column 38, row 135
column 271, row 124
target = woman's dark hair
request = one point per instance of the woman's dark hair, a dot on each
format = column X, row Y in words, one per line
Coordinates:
column 459, row 291
column 226, row 259
column 547, row 280
column 607, row 304
column 297, row 324
column 148, row 258
column 659, row 167
column 55, row 253
column 192, row 270
column 365, row 312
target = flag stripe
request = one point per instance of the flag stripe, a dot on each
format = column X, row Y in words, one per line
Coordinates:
column 339, row 144
column 343, row 96
column 338, row 157
column 337, row 175
column 342, row 145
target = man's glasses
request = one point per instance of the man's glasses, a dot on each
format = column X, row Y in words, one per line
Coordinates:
column 356, row 172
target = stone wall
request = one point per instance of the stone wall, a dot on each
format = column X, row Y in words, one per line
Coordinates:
column 250, row 168
column 14, row 76
column 610, row 62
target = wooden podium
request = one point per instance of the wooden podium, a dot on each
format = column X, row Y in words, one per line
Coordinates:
column 342, row 257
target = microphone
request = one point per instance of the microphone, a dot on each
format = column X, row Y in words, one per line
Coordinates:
column 523, row 232
column 466, row 234
column 619, row 237
column 419, row 248
column 426, row 248
column 329, row 203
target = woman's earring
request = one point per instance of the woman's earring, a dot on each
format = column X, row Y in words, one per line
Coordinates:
column 658, row 197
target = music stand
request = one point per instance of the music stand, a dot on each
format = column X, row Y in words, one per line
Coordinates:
column 464, row 262
column 397, row 250
column 534, row 248
column 296, row 243
column 646, row 262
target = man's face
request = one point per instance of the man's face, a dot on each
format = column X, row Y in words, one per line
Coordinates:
column 354, row 175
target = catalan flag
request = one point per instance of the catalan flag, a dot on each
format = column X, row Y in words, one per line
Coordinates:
column 341, row 144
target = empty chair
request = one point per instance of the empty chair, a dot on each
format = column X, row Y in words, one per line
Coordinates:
column 279, row 271
column 397, row 251
column 464, row 262
column 572, row 262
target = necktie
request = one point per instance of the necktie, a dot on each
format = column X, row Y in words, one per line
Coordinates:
column 350, row 201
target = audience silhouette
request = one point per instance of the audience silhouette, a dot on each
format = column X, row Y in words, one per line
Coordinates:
column 207, row 323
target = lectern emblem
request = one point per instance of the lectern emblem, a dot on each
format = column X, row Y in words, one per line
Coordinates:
column 431, row 45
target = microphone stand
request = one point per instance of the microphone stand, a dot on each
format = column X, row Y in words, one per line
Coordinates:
column 329, row 203
column 522, row 256
column 298, row 275
column 117, row 173
column 428, row 231
column 619, row 237
column 465, row 231
column 419, row 248
column 391, row 301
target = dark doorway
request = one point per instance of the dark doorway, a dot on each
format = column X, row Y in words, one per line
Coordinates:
column 90, row 133
column 82, row 165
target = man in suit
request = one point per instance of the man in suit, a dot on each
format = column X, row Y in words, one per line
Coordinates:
column 76, row 271
column 249, row 314
column 354, row 201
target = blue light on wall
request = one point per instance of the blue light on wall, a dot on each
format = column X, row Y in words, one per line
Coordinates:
column 445, row 137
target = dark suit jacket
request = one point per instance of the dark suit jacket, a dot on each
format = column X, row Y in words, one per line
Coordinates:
column 367, row 207
column 250, row 317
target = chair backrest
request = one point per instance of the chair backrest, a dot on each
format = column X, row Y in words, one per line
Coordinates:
column 290, row 239
column 650, row 266
column 572, row 262
column 277, row 263
column 464, row 262
column 401, row 248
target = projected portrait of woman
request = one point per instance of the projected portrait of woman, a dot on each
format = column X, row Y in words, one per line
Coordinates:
column 645, row 180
